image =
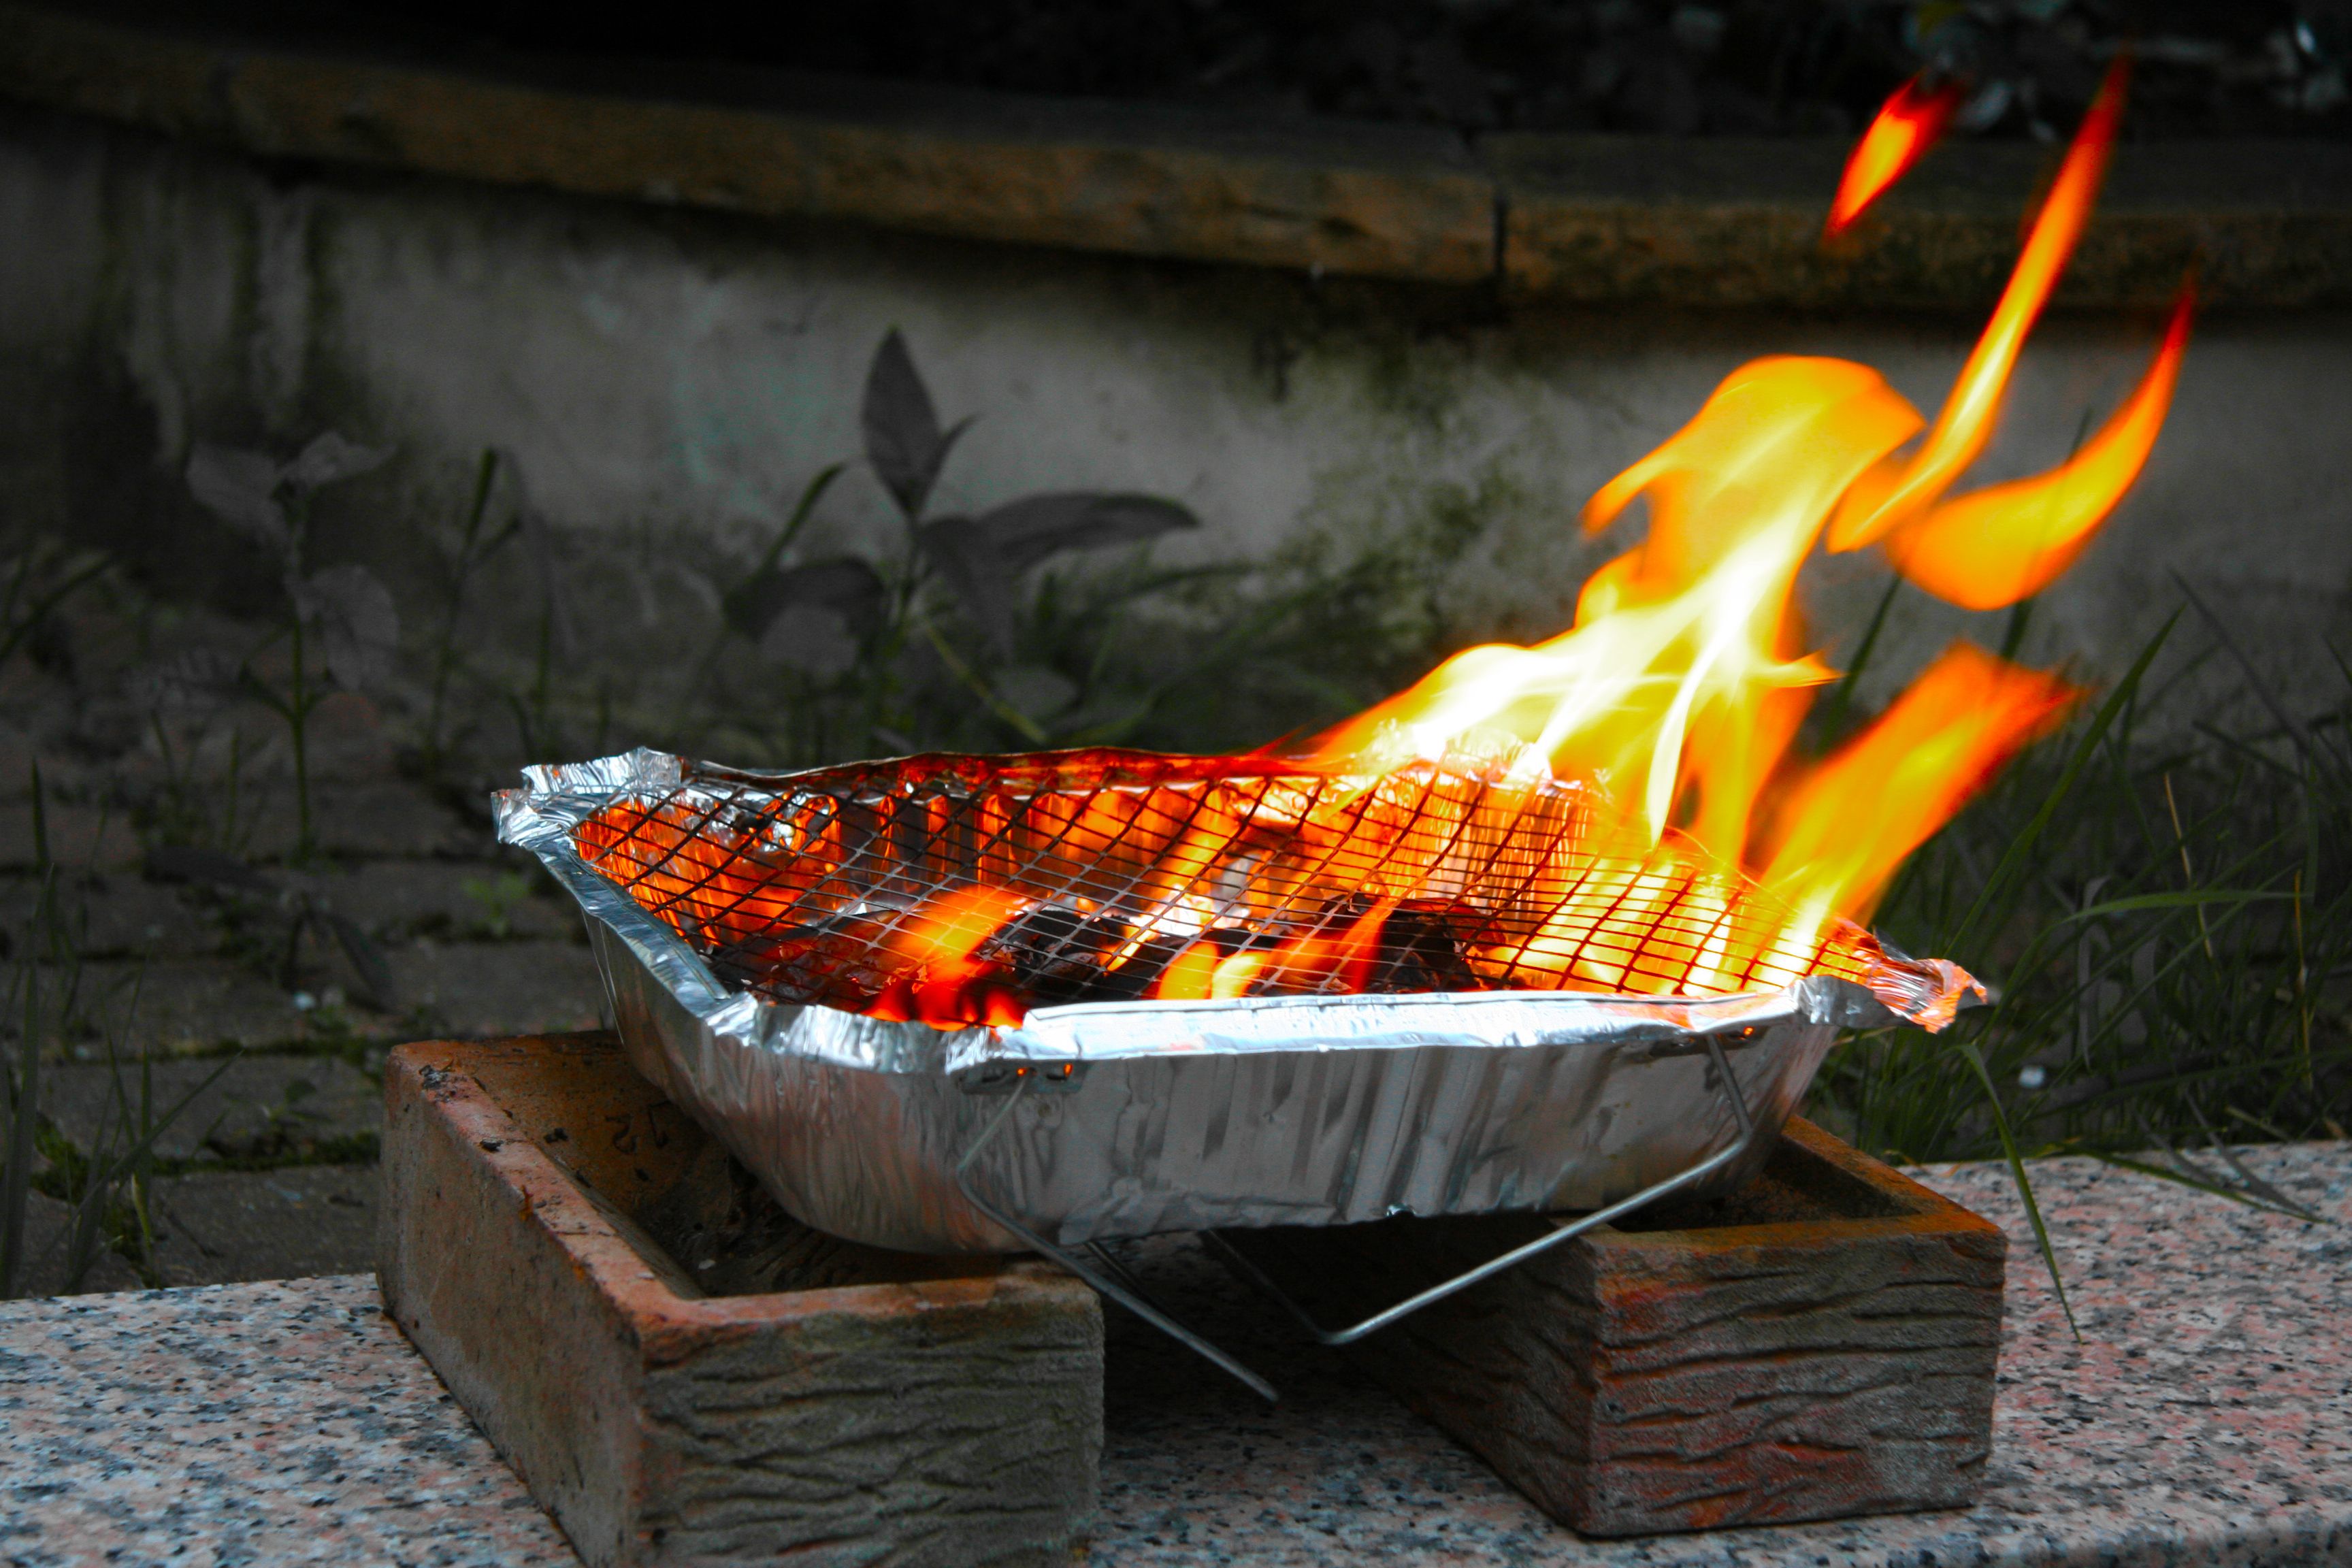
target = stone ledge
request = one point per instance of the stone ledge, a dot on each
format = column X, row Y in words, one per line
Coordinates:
column 1702, row 221
column 1737, row 222
column 1392, row 202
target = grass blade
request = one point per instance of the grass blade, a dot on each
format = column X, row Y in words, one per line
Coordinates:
column 1975, row 1058
column 2021, row 848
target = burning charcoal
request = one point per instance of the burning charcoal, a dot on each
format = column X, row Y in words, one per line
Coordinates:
column 805, row 962
column 1140, row 973
column 1422, row 942
column 1223, row 963
column 1057, row 953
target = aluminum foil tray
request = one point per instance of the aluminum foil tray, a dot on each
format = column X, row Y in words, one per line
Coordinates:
column 1144, row 1116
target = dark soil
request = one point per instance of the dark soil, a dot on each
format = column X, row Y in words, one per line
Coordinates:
column 2207, row 68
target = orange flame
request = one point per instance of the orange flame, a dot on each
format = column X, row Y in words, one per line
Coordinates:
column 1847, row 825
column 1314, row 961
column 1620, row 808
column 1901, row 491
column 1683, row 681
column 2005, row 543
column 1913, row 121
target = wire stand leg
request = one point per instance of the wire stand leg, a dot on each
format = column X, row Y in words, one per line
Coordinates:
column 1105, row 1275
column 1517, row 1254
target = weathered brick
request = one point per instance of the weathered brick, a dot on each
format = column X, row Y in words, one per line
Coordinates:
column 911, row 1411
column 1818, row 1345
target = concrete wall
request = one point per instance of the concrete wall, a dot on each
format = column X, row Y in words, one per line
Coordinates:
column 667, row 382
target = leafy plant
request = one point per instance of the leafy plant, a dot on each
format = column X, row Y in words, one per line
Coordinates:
column 872, row 650
column 341, row 611
column 466, row 550
column 497, row 897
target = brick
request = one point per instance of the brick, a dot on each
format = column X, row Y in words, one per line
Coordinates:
column 862, row 1407
column 1819, row 1345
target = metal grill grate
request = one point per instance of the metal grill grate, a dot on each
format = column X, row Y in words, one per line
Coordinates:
column 1083, row 875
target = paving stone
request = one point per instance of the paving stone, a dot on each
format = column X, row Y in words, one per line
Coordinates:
column 366, row 818
column 347, row 739
column 114, row 916
column 252, row 1107
column 200, row 1006
column 267, row 1426
column 220, row 1227
column 81, row 837
column 48, row 1228
column 19, row 751
column 177, row 1007
column 499, row 989
column 480, row 899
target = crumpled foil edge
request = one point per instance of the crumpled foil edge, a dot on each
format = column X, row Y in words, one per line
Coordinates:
column 856, row 1124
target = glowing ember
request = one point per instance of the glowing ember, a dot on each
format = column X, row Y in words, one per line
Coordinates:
column 1913, row 121
column 1618, row 809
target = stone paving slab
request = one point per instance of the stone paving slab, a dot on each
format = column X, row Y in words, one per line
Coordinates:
column 250, row 1424
column 485, row 899
column 244, row 1107
column 219, row 1227
column 499, row 989
column 190, row 1006
column 469, row 988
column 122, row 915
column 126, row 915
column 386, row 817
column 48, row 1225
column 2205, row 1418
column 80, row 837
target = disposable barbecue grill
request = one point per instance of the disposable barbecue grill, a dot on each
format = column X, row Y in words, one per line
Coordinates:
column 953, row 1003
column 957, row 1003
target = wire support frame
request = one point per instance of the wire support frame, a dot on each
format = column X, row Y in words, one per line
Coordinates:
column 1111, row 1278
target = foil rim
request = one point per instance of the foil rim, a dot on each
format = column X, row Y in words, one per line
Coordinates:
column 555, row 799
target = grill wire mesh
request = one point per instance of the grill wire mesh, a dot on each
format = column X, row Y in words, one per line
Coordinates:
column 1082, row 876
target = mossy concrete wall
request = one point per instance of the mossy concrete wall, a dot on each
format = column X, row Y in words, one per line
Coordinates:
column 666, row 381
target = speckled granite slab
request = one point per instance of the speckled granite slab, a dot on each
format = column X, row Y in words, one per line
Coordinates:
column 243, row 1425
column 2206, row 1419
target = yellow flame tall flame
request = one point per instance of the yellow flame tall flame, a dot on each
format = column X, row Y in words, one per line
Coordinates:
column 1681, row 685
